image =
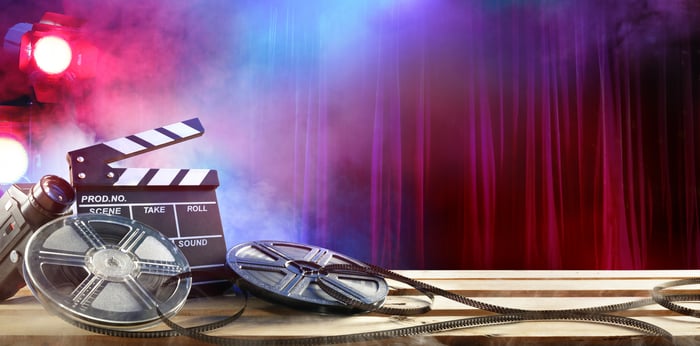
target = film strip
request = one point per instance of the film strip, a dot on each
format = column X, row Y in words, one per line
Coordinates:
column 180, row 203
column 113, row 275
column 305, row 276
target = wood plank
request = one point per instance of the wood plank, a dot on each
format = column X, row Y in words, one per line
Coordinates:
column 24, row 320
column 546, row 274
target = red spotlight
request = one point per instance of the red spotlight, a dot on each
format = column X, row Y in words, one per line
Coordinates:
column 52, row 52
column 14, row 151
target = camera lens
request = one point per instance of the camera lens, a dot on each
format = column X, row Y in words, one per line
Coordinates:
column 53, row 194
column 58, row 190
column 48, row 199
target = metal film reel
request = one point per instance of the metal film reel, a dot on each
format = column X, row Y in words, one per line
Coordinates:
column 289, row 273
column 106, row 271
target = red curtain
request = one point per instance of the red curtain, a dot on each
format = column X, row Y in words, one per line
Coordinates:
column 436, row 134
column 439, row 134
column 519, row 137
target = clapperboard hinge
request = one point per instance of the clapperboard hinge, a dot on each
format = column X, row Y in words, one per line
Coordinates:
column 90, row 166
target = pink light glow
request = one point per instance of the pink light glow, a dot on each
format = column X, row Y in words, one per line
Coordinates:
column 14, row 160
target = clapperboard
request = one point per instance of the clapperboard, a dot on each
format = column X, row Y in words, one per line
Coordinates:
column 180, row 203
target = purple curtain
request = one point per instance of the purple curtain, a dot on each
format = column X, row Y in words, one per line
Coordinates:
column 436, row 134
column 557, row 135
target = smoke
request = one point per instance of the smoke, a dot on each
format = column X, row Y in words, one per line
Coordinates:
column 163, row 62
column 287, row 91
column 53, row 145
column 153, row 57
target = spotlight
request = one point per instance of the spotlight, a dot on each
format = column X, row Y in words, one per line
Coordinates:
column 15, row 145
column 14, row 157
column 53, row 53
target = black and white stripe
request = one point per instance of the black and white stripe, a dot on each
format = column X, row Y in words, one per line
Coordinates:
column 156, row 138
column 90, row 165
column 166, row 177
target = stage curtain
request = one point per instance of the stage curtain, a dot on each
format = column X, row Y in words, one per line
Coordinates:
column 529, row 135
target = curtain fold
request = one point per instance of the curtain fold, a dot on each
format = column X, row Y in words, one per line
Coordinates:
column 539, row 135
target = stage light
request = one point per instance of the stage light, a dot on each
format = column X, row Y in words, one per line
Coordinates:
column 53, row 53
column 14, row 158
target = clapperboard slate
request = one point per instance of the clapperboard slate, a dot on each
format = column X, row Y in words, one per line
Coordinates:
column 180, row 203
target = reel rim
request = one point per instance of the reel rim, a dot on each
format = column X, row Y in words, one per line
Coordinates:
column 119, row 275
column 290, row 276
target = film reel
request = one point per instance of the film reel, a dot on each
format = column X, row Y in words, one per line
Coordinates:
column 290, row 273
column 106, row 271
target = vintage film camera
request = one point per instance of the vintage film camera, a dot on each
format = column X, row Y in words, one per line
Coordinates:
column 180, row 203
column 25, row 208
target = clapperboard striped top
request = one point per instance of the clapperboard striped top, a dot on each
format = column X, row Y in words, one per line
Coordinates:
column 90, row 165
column 155, row 138
column 163, row 177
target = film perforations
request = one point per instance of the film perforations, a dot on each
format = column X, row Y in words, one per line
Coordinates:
column 106, row 271
column 669, row 301
column 77, row 257
column 272, row 262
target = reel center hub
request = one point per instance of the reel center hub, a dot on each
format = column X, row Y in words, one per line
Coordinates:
column 305, row 268
column 111, row 264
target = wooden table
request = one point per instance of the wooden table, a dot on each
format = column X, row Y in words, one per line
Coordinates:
column 24, row 321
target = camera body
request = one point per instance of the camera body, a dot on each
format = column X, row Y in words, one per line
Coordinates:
column 23, row 209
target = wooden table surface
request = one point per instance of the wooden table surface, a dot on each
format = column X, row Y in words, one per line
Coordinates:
column 24, row 321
